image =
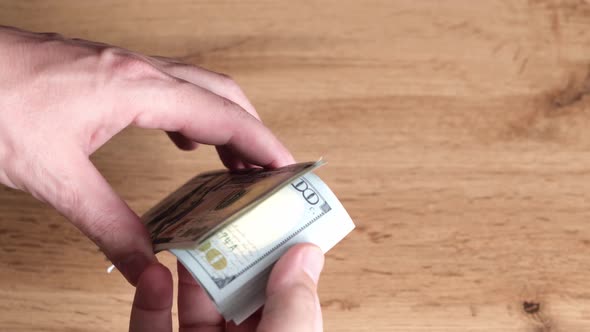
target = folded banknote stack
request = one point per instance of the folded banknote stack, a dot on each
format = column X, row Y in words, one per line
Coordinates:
column 229, row 228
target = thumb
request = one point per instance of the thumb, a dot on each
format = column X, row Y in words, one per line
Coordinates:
column 153, row 301
column 292, row 303
column 88, row 201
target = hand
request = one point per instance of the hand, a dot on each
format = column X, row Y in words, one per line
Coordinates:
column 292, row 303
column 62, row 99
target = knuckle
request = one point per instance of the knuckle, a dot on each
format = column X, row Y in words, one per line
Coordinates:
column 224, row 76
column 171, row 63
column 153, row 118
column 51, row 36
column 227, row 80
column 301, row 295
column 51, row 40
column 67, row 201
column 128, row 66
column 235, row 110
column 231, row 86
column 305, row 292
column 95, row 226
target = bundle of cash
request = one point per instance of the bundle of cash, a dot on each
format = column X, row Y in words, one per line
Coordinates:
column 229, row 228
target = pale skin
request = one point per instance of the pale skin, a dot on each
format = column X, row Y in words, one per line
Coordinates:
column 64, row 98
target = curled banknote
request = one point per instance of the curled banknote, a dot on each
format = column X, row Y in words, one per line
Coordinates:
column 229, row 228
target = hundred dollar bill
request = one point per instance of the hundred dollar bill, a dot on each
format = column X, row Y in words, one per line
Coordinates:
column 210, row 200
column 231, row 253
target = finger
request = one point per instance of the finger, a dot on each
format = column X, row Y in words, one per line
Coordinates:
column 152, row 305
column 196, row 311
column 181, row 141
column 85, row 197
column 207, row 118
column 228, row 158
column 220, row 84
column 292, row 303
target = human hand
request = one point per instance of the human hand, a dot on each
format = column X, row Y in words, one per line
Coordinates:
column 292, row 303
column 63, row 98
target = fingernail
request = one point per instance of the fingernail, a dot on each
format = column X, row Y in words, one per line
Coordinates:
column 312, row 262
column 133, row 266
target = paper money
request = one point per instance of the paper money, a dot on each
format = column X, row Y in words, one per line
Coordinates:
column 229, row 228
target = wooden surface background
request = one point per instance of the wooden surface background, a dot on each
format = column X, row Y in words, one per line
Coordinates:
column 457, row 135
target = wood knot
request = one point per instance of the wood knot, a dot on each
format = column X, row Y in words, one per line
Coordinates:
column 531, row 307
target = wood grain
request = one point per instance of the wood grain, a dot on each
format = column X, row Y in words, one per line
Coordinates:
column 457, row 135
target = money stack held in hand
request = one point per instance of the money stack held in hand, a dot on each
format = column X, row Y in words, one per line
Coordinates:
column 229, row 228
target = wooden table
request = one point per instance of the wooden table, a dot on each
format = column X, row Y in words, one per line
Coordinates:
column 457, row 135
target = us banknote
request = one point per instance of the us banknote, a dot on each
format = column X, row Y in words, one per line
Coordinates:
column 229, row 228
